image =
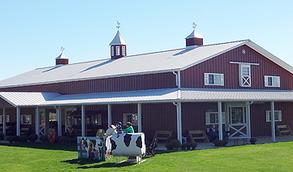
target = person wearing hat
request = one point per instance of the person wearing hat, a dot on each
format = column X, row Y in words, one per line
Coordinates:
column 129, row 128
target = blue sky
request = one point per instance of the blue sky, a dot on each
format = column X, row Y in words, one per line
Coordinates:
column 32, row 32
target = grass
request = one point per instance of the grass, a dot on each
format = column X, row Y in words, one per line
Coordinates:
column 265, row 157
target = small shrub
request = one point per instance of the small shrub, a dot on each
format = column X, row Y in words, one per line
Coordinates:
column 220, row 143
column 173, row 145
column 253, row 140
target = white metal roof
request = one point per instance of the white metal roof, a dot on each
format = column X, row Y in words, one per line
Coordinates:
column 146, row 96
column 118, row 40
column 27, row 98
column 156, row 62
column 205, row 95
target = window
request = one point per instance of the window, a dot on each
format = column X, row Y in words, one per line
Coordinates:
column 245, row 75
column 123, row 51
column 272, row 81
column 212, row 118
column 278, row 115
column 95, row 119
column 26, row 119
column 214, row 79
column 6, row 120
column 112, row 51
column 117, row 51
column 130, row 117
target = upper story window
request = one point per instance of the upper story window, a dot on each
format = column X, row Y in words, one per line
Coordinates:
column 117, row 51
column 272, row 81
column 245, row 75
column 123, row 51
column 214, row 79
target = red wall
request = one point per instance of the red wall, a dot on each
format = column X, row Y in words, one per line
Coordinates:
column 139, row 82
column 194, row 76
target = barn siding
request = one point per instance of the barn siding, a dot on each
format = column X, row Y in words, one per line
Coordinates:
column 259, row 126
column 193, row 116
column 194, row 76
column 128, row 83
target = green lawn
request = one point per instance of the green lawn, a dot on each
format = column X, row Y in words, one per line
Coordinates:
column 266, row 157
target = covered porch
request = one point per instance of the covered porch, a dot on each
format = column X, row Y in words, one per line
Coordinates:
column 236, row 114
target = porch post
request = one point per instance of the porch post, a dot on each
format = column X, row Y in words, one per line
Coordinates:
column 37, row 122
column 248, row 119
column 220, row 121
column 59, row 121
column 17, row 121
column 273, row 121
column 139, row 117
column 82, row 121
column 4, row 122
column 179, row 122
column 109, row 115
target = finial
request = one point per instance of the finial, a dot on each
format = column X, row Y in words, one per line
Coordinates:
column 194, row 25
column 118, row 25
column 62, row 49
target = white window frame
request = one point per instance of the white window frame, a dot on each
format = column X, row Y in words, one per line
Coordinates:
column 6, row 120
column 123, row 51
column 22, row 116
column 245, row 80
column 207, row 81
column 112, row 51
column 134, row 120
column 117, row 50
column 208, row 118
column 275, row 81
column 277, row 112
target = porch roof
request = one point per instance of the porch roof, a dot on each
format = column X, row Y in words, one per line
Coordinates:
column 207, row 95
column 145, row 96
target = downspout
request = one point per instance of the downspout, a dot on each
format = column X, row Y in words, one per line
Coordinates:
column 178, row 83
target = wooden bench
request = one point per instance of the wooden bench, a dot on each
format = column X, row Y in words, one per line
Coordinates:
column 197, row 135
column 284, row 130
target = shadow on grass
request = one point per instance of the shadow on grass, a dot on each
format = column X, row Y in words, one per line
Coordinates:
column 45, row 146
column 109, row 165
column 80, row 161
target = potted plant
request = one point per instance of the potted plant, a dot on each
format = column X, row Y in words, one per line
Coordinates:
column 253, row 140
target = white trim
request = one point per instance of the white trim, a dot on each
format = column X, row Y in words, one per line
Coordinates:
column 208, row 118
column 139, row 125
column 82, row 121
column 17, row 121
column 207, row 81
column 245, row 63
column 279, row 117
column 276, row 80
column 273, row 123
column 245, row 80
column 109, row 115
column 220, row 120
column 179, row 121
column 117, row 50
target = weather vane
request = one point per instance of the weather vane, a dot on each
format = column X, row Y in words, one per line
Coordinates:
column 194, row 25
column 62, row 49
column 118, row 25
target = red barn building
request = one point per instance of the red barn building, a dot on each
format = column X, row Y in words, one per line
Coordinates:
column 233, row 85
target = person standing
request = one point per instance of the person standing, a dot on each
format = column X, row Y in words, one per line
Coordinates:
column 129, row 128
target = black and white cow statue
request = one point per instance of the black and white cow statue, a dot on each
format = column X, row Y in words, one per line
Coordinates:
column 131, row 145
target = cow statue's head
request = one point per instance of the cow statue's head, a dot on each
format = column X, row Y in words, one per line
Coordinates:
column 111, row 130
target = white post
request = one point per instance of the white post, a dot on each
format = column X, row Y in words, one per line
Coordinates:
column 179, row 122
column 220, row 121
column 139, row 117
column 248, row 119
column 273, row 121
column 82, row 121
column 109, row 115
column 17, row 121
column 4, row 122
column 59, row 121
column 37, row 122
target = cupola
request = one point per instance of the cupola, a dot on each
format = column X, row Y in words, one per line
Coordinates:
column 62, row 59
column 118, row 47
column 194, row 38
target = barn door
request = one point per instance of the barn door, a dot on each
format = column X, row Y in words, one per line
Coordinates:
column 237, row 121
